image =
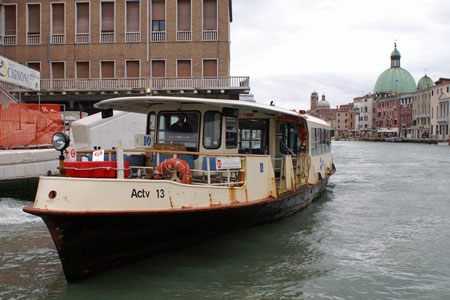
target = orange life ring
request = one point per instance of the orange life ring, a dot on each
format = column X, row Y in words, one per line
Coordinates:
column 174, row 165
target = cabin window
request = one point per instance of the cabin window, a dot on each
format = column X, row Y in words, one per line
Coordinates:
column 212, row 129
column 290, row 142
column 151, row 124
column 232, row 132
column 179, row 127
column 253, row 137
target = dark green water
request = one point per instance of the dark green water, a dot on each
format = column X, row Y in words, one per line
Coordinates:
column 381, row 231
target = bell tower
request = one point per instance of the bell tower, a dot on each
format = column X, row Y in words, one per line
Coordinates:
column 314, row 100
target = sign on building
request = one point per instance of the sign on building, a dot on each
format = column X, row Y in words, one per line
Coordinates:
column 17, row 74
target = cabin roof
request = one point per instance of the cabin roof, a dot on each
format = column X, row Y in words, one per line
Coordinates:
column 144, row 103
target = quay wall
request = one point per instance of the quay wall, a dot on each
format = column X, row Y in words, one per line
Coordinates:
column 20, row 170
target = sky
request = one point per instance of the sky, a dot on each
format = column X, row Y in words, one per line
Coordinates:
column 290, row 48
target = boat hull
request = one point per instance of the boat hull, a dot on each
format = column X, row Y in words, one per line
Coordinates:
column 91, row 242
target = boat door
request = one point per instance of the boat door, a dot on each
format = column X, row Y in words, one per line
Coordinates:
column 253, row 136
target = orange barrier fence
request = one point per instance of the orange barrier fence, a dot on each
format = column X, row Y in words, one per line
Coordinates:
column 24, row 125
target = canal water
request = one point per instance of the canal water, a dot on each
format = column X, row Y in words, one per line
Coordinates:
column 381, row 231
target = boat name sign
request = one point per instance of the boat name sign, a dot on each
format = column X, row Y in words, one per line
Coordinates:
column 225, row 162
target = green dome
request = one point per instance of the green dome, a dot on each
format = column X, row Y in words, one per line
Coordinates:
column 395, row 80
column 424, row 83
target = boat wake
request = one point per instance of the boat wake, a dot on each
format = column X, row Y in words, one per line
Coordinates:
column 11, row 212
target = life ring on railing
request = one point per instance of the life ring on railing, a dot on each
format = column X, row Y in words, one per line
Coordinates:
column 174, row 165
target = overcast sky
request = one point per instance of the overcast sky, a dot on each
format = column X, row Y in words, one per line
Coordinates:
column 290, row 48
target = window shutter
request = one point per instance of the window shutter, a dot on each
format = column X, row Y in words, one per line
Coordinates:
column 158, row 68
column 34, row 18
column 184, row 68
column 107, row 16
column 35, row 66
column 210, row 68
column 158, row 10
column 133, row 69
column 83, row 69
column 184, row 15
column 57, row 70
column 58, row 18
column 82, row 17
column 107, row 69
column 209, row 14
column 10, row 19
column 132, row 16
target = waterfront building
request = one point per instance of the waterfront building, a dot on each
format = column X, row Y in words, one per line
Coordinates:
column 440, row 117
column 345, row 121
column 365, row 123
column 421, row 109
column 90, row 50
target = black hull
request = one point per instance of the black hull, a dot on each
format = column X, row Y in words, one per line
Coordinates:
column 89, row 243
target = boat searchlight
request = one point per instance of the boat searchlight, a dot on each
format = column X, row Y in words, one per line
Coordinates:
column 60, row 141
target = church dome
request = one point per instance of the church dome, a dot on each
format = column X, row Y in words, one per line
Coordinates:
column 395, row 79
column 424, row 83
column 323, row 104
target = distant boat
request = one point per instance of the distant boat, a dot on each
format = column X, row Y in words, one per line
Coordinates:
column 234, row 164
column 393, row 139
column 443, row 143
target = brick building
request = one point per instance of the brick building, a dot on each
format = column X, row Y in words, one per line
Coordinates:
column 90, row 50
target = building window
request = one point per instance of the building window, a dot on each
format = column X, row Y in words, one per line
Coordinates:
column 82, row 23
column 82, row 69
column 158, row 20
column 107, row 69
column 133, row 21
column 132, row 68
column 183, row 68
column 58, row 23
column 34, row 65
column 210, row 20
column 10, row 18
column 107, row 23
column 34, row 24
column 210, row 68
column 58, row 70
column 158, row 73
column 158, row 68
column 184, row 20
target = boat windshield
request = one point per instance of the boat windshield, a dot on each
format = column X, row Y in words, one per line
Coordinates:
column 179, row 127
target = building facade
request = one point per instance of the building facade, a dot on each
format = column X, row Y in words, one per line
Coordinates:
column 89, row 50
column 440, row 116
column 345, row 121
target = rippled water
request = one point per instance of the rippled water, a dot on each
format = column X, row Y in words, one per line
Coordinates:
column 381, row 231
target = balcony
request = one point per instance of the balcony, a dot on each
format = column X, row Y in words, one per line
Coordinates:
column 58, row 39
column 163, row 83
column 107, row 37
column 183, row 36
column 210, row 35
column 33, row 39
column 133, row 37
column 158, row 36
column 82, row 38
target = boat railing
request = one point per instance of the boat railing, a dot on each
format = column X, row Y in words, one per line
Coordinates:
column 142, row 164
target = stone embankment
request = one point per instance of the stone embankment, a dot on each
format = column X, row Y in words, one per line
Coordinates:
column 20, row 170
